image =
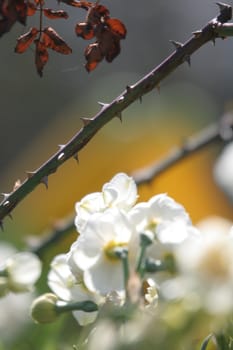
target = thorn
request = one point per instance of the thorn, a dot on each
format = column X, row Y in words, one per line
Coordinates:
column 30, row 174
column 76, row 157
column 10, row 216
column 5, row 195
column 16, row 185
column 103, row 105
column 61, row 156
column 1, row 226
column 188, row 60
column 120, row 99
column 140, row 99
column 158, row 88
column 119, row 116
column 225, row 12
column 128, row 88
column 222, row 6
column 45, row 181
column 6, row 203
column 177, row 44
column 197, row 33
column 61, row 147
column 86, row 121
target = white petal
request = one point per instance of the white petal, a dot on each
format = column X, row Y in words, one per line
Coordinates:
column 90, row 204
column 85, row 318
column 24, row 269
column 60, row 278
column 176, row 232
column 105, row 277
column 164, row 207
column 121, row 191
column 139, row 216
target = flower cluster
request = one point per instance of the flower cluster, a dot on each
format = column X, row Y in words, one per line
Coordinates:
column 109, row 260
column 128, row 253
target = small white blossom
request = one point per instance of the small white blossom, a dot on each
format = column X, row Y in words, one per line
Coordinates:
column 94, row 250
column 120, row 192
column 23, row 270
column 164, row 221
column 207, row 264
column 157, row 214
column 71, row 288
column 14, row 315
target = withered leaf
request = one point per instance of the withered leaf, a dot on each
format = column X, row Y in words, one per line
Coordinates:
column 108, row 32
column 97, row 14
column 21, row 9
column 53, row 41
column 116, row 27
column 93, row 56
column 10, row 12
column 25, row 40
column 31, row 9
column 41, row 56
column 55, row 14
column 85, row 30
column 82, row 4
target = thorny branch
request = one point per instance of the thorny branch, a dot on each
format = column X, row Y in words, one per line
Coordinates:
column 217, row 132
column 132, row 93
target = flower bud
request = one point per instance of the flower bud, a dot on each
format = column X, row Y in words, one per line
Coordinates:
column 43, row 309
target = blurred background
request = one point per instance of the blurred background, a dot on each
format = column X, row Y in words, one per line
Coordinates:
column 38, row 114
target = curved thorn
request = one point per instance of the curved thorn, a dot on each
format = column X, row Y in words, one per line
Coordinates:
column 76, row 157
column 177, row 44
column 85, row 121
column 45, row 181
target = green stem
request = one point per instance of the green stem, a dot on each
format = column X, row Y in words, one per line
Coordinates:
column 139, row 268
column 125, row 263
column 87, row 306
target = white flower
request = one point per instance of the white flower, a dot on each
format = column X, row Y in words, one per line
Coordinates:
column 14, row 315
column 21, row 270
column 214, row 224
column 207, row 263
column 223, row 170
column 94, row 250
column 164, row 221
column 70, row 288
column 157, row 214
column 120, row 192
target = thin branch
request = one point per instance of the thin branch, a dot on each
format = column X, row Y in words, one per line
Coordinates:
column 61, row 229
column 219, row 132
column 214, row 133
column 132, row 93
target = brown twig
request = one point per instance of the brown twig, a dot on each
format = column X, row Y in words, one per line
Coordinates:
column 91, row 126
column 216, row 132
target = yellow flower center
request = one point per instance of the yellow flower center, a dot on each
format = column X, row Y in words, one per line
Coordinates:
column 110, row 250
